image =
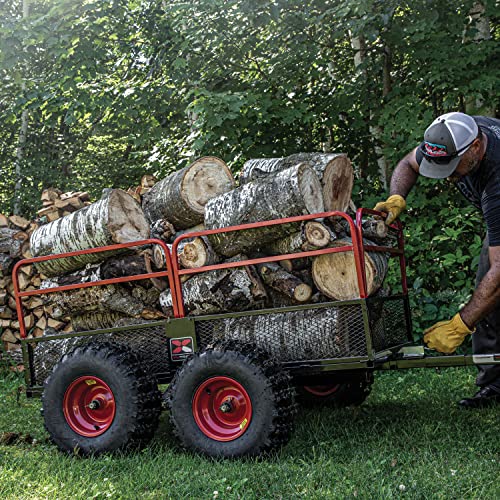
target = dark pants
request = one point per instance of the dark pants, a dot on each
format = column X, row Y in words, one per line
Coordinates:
column 486, row 338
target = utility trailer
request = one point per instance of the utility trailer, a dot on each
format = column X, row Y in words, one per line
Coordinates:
column 234, row 379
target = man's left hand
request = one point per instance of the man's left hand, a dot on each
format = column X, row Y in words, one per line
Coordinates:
column 446, row 336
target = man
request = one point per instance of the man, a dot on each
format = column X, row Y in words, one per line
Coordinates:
column 466, row 150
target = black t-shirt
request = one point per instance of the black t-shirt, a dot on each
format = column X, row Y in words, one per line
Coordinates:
column 482, row 188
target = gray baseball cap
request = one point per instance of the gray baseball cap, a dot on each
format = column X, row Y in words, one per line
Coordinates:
column 445, row 141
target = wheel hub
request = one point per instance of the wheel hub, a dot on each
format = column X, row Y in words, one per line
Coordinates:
column 222, row 408
column 89, row 406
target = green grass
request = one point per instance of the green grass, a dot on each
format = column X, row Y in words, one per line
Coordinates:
column 408, row 439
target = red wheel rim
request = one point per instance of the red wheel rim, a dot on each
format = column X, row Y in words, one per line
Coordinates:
column 222, row 408
column 322, row 390
column 89, row 406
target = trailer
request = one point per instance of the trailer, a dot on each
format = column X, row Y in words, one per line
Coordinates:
column 231, row 382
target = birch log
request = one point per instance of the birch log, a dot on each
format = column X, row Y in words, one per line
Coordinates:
column 290, row 192
column 224, row 290
column 335, row 275
column 117, row 218
column 334, row 171
column 181, row 197
column 306, row 334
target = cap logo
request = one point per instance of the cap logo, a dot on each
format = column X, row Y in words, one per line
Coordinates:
column 435, row 149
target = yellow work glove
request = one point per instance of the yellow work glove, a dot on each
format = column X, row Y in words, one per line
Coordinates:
column 446, row 336
column 393, row 206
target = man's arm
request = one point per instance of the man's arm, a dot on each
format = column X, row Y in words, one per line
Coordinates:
column 405, row 175
column 487, row 294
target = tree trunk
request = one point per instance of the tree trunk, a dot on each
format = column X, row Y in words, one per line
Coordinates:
column 293, row 191
column 23, row 132
column 224, row 290
column 335, row 276
column 117, row 218
column 479, row 104
column 334, row 171
column 181, row 197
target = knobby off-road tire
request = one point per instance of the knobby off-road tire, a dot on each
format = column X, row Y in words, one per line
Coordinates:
column 326, row 391
column 232, row 400
column 99, row 398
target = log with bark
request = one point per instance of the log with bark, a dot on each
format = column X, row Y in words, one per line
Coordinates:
column 223, row 290
column 290, row 192
column 305, row 334
column 334, row 171
column 181, row 197
column 335, row 275
column 117, row 218
column 284, row 282
column 312, row 235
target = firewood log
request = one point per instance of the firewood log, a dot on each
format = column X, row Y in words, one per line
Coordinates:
column 294, row 191
column 237, row 289
column 335, row 275
column 117, row 218
column 334, row 170
column 181, row 197
column 9, row 244
column 197, row 253
column 277, row 278
column 306, row 334
column 312, row 236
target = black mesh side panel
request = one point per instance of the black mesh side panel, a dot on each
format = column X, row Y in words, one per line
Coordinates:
column 306, row 334
column 388, row 324
column 150, row 342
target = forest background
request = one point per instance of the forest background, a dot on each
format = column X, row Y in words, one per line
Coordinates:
column 95, row 94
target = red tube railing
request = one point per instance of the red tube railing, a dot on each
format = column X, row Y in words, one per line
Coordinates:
column 19, row 294
column 357, row 248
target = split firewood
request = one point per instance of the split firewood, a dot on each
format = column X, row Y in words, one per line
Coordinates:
column 294, row 191
column 19, row 222
column 181, row 197
column 334, row 171
column 117, row 218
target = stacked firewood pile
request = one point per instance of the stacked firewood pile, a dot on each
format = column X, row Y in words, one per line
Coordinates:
column 57, row 204
column 202, row 195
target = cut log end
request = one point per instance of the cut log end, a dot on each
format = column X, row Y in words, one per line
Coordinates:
column 335, row 274
column 206, row 178
column 126, row 218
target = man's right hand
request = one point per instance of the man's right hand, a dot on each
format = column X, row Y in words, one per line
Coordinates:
column 393, row 207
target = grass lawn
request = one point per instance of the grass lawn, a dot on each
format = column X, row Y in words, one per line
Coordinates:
column 408, row 439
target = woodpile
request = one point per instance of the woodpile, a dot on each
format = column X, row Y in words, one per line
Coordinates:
column 57, row 204
column 203, row 195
